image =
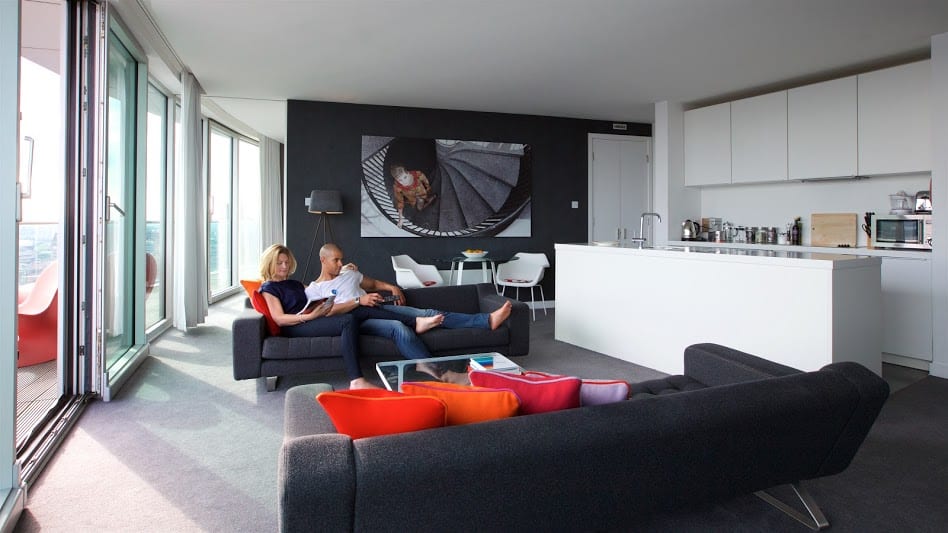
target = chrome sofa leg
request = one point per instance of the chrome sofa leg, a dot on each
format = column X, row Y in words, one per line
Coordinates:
column 816, row 521
column 271, row 383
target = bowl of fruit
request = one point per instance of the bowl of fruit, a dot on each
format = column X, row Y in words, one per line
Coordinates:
column 474, row 253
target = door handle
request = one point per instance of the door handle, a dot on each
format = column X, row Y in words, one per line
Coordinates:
column 112, row 205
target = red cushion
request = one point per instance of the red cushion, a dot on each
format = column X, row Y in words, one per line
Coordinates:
column 537, row 394
column 596, row 391
column 260, row 304
column 466, row 404
column 370, row 412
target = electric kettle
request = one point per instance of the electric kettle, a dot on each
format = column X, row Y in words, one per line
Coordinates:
column 689, row 231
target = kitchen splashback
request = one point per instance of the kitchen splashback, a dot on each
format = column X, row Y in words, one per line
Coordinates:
column 776, row 204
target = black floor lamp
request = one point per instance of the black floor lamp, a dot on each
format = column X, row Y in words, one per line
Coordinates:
column 322, row 203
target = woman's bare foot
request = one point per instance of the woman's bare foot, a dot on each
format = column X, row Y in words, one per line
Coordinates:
column 499, row 316
column 424, row 323
column 362, row 383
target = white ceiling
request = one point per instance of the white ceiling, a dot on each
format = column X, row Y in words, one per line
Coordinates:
column 596, row 59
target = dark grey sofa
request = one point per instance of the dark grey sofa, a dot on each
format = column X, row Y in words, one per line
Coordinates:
column 732, row 425
column 258, row 354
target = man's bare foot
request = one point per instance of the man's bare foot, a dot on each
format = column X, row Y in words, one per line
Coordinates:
column 424, row 323
column 499, row 316
column 458, row 378
column 362, row 383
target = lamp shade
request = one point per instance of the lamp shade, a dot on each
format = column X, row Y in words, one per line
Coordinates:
column 328, row 202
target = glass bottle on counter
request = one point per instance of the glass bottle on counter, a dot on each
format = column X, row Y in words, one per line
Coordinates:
column 795, row 231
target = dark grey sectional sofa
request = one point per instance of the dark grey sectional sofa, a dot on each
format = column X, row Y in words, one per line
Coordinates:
column 733, row 424
column 258, row 354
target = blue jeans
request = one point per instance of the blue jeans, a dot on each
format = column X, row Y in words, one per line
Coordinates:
column 327, row 326
column 404, row 337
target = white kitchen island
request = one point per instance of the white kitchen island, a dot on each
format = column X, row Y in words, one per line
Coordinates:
column 800, row 309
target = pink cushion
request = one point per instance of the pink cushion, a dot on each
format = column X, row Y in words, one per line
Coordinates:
column 596, row 391
column 537, row 394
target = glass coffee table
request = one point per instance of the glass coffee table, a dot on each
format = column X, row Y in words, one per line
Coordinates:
column 448, row 369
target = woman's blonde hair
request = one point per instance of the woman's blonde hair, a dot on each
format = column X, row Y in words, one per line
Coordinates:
column 269, row 259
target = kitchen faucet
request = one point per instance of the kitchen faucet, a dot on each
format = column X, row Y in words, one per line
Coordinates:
column 641, row 238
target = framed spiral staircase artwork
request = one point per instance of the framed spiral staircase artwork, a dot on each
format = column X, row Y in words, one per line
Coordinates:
column 415, row 187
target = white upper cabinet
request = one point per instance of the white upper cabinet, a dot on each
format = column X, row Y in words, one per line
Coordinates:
column 708, row 145
column 759, row 138
column 821, row 129
column 895, row 120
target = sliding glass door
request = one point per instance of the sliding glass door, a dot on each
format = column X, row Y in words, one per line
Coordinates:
column 119, row 193
column 118, row 293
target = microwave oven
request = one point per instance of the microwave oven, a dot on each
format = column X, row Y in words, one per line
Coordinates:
column 913, row 232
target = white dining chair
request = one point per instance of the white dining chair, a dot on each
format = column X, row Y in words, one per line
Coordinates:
column 411, row 275
column 524, row 270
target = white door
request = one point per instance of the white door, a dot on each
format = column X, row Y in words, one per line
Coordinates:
column 619, row 186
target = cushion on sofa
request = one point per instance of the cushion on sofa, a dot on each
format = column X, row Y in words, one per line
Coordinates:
column 256, row 299
column 371, row 412
column 537, row 394
column 251, row 285
column 595, row 391
column 467, row 404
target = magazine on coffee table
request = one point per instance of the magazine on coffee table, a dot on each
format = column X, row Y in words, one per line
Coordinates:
column 492, row 362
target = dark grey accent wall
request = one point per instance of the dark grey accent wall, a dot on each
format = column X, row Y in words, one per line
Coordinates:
column 323, row 151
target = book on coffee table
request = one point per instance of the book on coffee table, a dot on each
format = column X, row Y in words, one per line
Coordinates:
column 493, row 362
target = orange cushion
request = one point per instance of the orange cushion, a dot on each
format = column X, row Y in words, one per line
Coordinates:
column 371, row 412
column 258, row 302
column 251, row 286
column 467, row 404
column 537, row 395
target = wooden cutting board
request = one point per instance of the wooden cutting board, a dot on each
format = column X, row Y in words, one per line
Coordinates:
column 834, row 229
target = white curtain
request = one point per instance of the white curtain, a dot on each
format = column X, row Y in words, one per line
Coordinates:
column 271, row 193
column 190, row 224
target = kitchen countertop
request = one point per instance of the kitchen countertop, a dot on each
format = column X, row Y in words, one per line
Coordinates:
column 857, row 250
column 823, row 258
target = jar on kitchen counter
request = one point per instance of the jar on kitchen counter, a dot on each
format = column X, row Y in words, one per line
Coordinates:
column 751, row 235
column 761, row 235
column 771, row 235
column 740, row 235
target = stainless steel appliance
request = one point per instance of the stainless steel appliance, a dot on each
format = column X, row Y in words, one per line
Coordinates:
column 912, row 232
column 689, row 231
column 923, row 202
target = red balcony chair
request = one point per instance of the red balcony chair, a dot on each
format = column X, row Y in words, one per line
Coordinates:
column 38, row 320
column 151, row 273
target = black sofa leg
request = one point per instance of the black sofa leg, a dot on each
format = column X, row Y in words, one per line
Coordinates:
column 815, row 521
column 271, row 383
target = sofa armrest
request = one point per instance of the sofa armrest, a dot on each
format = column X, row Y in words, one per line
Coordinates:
column 519, row 321
column 248, row 333
column 873, row 393
column 316, row 483
column 713, row 365
column 302, row 414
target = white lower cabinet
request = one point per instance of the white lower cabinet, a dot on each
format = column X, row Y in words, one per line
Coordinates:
column 907, row 307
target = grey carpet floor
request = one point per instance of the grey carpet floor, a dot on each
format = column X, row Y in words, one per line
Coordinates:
column 184, row 447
